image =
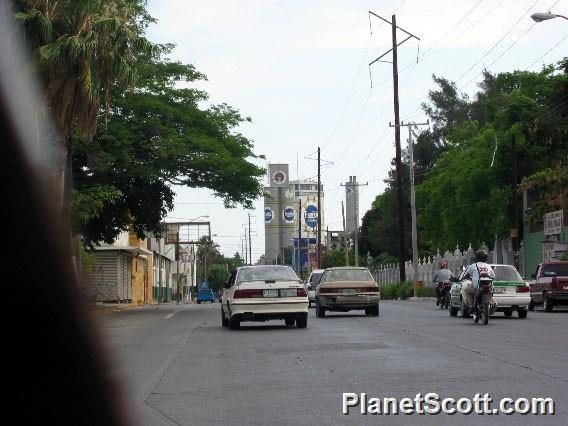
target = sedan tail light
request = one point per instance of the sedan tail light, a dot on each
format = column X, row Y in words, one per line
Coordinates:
column 523, row 289
column 369, row 289
column 247, row 293
column 301, row 293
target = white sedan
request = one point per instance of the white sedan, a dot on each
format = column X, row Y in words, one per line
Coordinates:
column 512, row 293
column 262, row 293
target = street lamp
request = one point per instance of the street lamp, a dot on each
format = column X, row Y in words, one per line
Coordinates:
column 539, row 17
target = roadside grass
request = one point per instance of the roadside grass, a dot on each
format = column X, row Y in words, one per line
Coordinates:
column 404, row 290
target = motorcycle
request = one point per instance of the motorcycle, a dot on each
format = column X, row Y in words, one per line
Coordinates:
column 447, row 286
column 483, row 306
column 443, row 294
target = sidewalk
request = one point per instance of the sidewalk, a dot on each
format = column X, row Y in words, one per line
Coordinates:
column 108, row 308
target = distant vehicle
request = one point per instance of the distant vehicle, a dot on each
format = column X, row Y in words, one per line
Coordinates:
column 550, row 285
column 205, row 294
column 313, row 281
column 262, row 293
column 345, row 289
column 510, row 294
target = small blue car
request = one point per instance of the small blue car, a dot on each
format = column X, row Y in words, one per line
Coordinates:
column 205, row 294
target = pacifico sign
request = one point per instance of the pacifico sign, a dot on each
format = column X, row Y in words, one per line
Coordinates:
column 289, row 214
column 311, row 216
column 268, row 215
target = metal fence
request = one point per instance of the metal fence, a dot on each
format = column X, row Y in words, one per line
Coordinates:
column 427, row 266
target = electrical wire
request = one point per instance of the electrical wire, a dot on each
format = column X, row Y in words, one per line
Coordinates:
column 523, row 16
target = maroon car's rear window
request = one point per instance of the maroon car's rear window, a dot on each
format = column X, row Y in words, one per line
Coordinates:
column 555, row 269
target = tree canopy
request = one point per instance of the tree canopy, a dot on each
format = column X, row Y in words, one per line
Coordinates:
column 463, row 166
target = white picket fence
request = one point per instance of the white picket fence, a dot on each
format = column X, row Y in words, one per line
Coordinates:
column 427, row 267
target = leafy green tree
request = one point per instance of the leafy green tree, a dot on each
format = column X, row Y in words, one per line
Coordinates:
column 218, row 276
column 464, row 164
column 157, row 136
column 84, row 52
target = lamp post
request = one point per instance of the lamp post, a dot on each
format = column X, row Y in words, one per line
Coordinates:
column 539, row 17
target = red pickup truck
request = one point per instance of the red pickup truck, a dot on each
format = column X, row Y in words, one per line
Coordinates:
column 550, row 285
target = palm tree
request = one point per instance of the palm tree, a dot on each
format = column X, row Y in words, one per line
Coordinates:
column 83, row 50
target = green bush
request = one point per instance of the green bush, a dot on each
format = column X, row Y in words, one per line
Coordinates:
column 404, row 290
column 389, row 292
column 426, row 292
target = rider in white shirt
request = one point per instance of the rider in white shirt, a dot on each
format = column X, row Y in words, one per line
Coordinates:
column 474, row 271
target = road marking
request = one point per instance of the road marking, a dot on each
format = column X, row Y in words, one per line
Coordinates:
column 173, row 313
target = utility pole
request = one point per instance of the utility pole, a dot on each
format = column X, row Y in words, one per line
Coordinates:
column 344, row 236
column 250, row 245
column 318, row 239
column 300, row 238
column 246, row 248
column 413, row 197
column 515, row 230
column 177, row 265
column 159, row 270
column 400, row 197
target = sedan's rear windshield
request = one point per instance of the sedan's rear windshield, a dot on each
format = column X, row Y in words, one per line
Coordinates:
column 506, row 273
column 348, row 275
column 315, row 278
column 555, row 269
column 267, row 273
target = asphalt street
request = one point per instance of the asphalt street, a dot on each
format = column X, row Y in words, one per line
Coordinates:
column 180, row 367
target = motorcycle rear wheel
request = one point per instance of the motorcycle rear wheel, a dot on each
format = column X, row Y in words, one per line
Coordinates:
column 485, row 313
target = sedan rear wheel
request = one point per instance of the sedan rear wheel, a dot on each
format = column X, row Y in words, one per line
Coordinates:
column 320, row 312
column 508, row 313
column 289, row 321
column 522, row 313
column 453, row 310
column 302, row 321
column 224, row 320
column 547, row 303
column 234, row 323
column 464, row 310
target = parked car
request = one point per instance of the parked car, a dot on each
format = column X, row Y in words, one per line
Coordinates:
column 550, row 285
column 347, row 288
column 262, row 293
column 511, row 293
column 313, row 281
column 205, row 294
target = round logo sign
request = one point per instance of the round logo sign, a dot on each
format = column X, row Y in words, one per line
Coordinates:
column 311, row 216
column 289, row 214
column 268, row 215
column 279, row 177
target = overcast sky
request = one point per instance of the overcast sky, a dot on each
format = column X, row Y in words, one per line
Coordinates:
column 300, row 70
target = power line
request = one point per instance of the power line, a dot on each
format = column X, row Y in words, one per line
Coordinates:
column 549, row 50
column 350, row 94
column 425, row 54
column 508, row 49
column 523, row 16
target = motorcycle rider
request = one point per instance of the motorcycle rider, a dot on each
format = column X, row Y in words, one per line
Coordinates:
column 442, row 275
column 473, row 271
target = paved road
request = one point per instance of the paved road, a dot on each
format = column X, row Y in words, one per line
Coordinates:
column 182, row 368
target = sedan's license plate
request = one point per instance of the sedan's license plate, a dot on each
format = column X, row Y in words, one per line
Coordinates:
column 499, row 290
column 349, row 291
column 270, row 293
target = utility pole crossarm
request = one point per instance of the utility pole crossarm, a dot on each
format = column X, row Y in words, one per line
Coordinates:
column 390, row 23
